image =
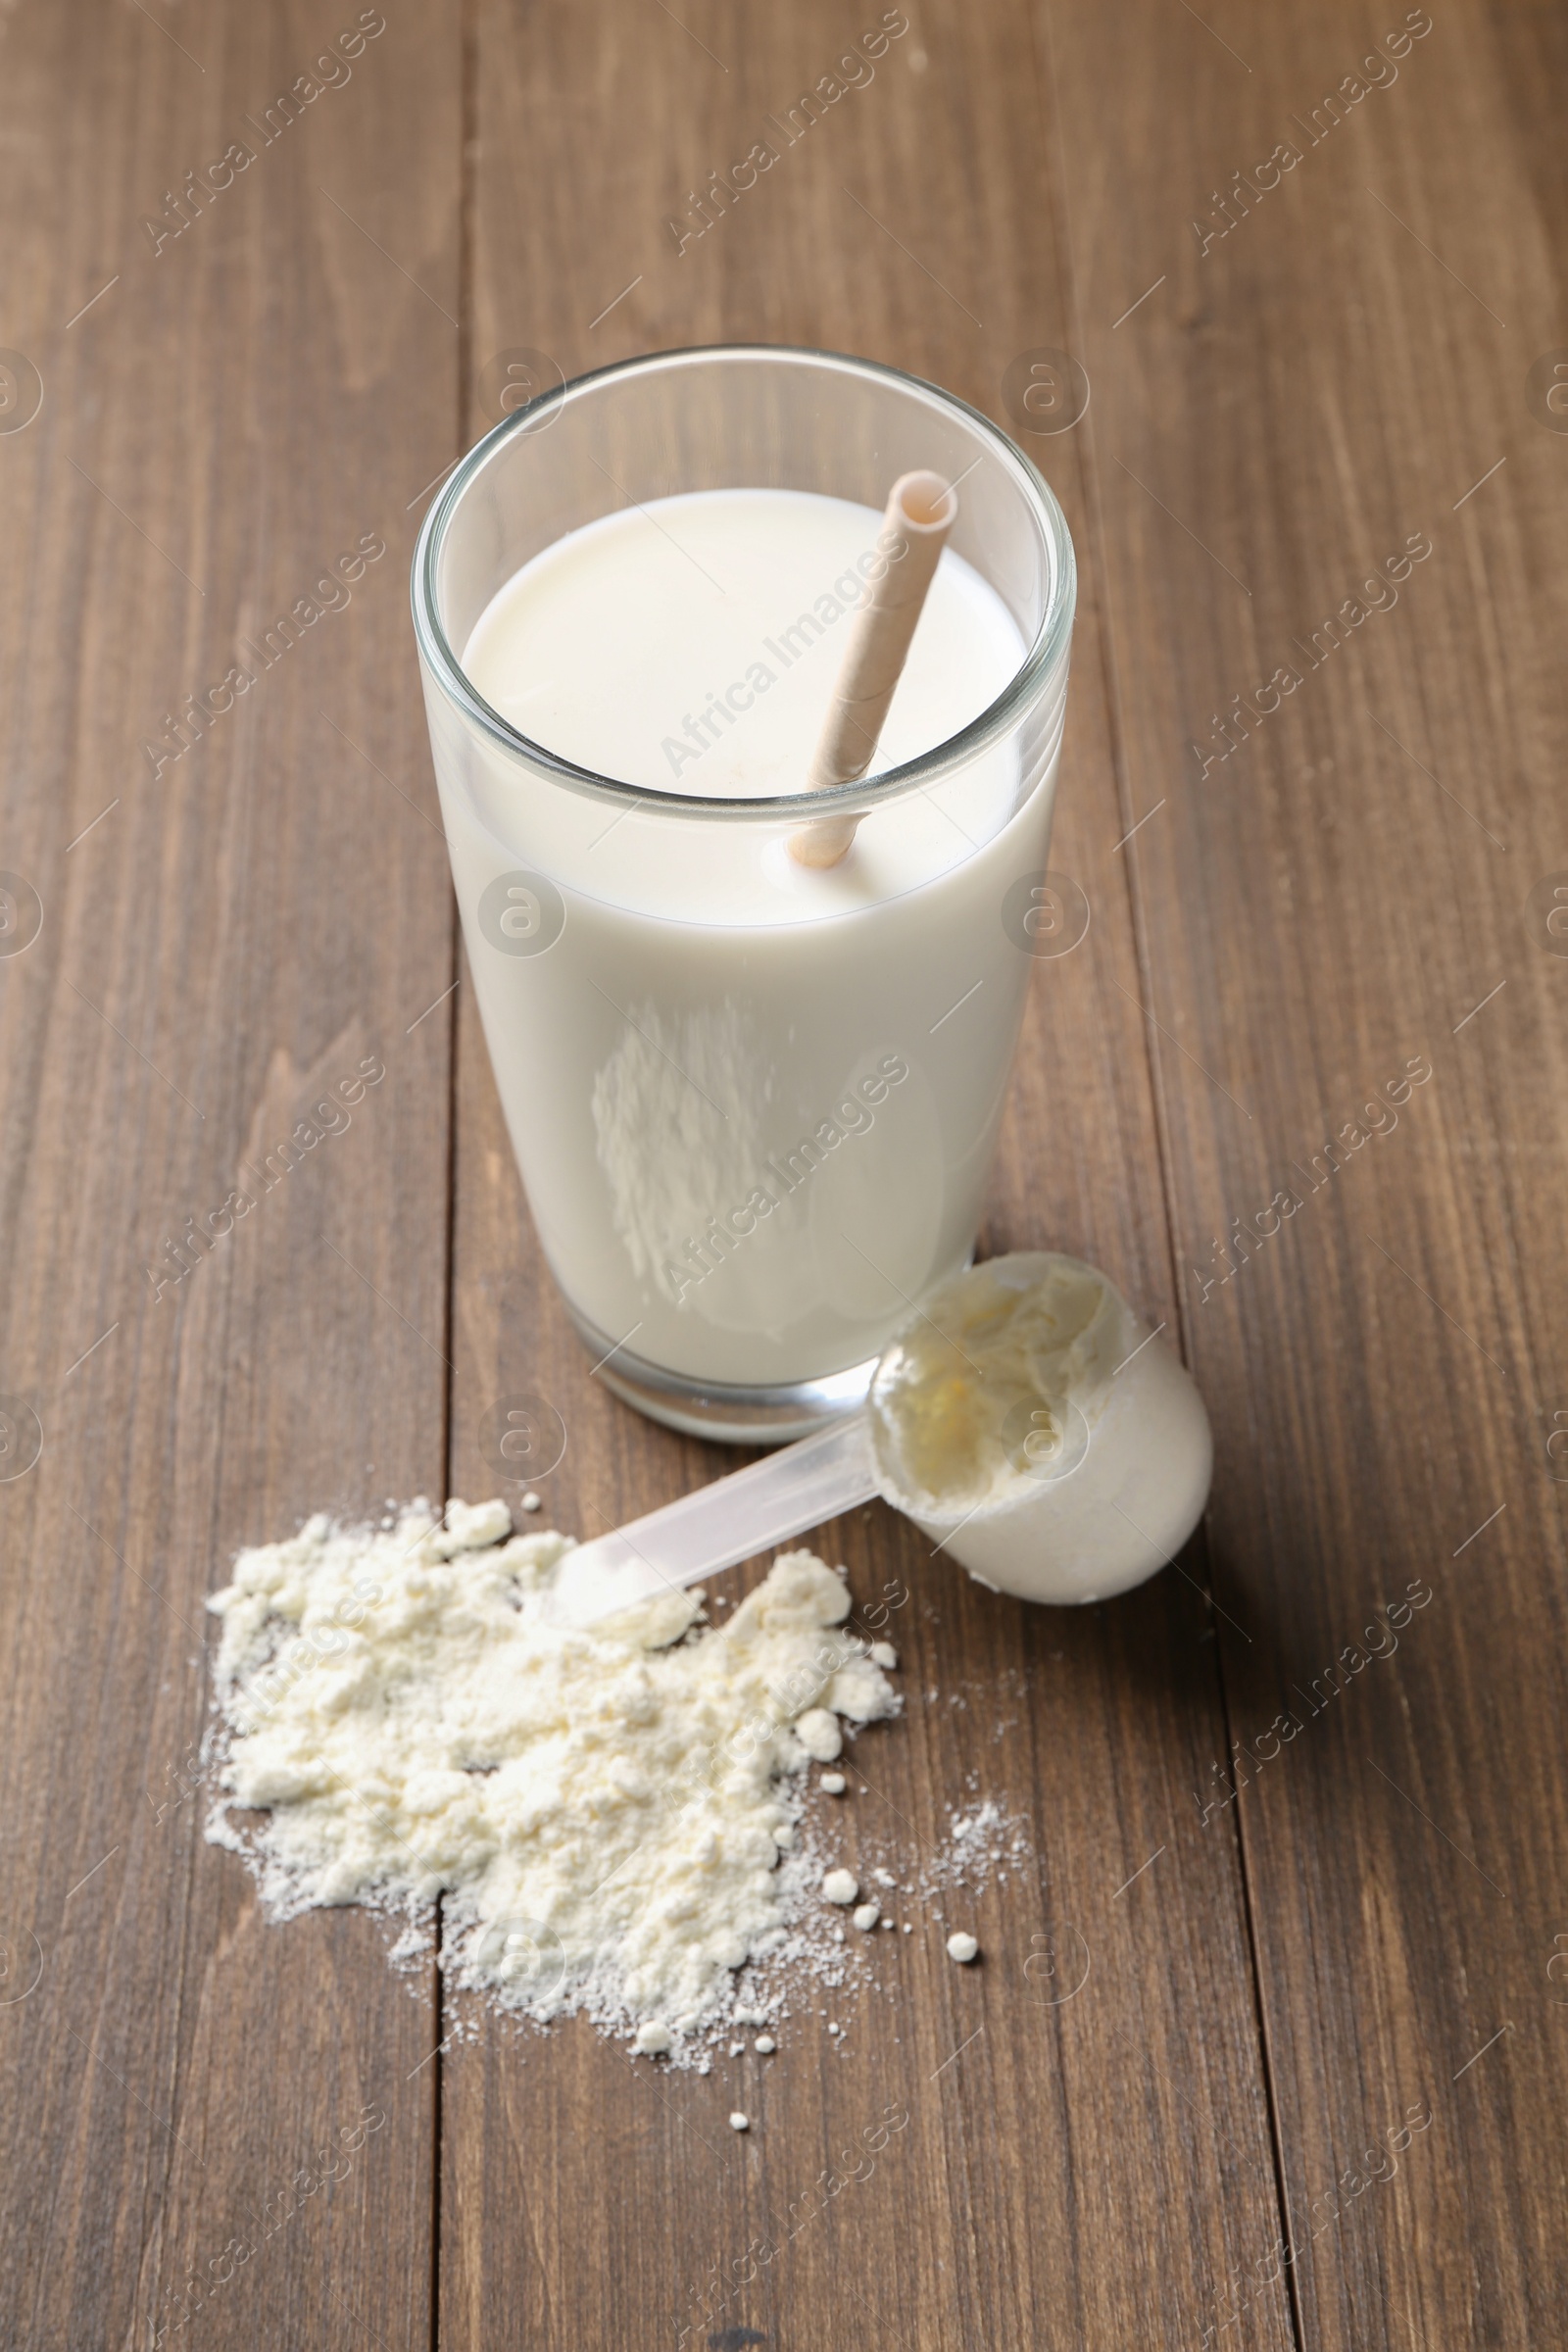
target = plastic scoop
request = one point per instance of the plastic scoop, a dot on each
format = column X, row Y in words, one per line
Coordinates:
column 1025, row 1418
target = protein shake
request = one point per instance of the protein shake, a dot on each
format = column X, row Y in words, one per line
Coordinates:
column 754, row 1103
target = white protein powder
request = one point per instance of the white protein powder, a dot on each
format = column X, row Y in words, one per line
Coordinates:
column 1033, row 1425
column 604, row 1811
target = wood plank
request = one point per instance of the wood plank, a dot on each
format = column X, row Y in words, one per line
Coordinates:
column 1347, row 889
column 1084, row 2170
column 222, row 942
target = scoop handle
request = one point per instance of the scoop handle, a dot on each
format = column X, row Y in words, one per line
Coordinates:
column 713, row 1527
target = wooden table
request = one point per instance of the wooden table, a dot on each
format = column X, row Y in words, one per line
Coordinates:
column 1296, row 1806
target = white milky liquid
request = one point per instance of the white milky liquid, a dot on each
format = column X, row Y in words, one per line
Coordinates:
column 754, row 1103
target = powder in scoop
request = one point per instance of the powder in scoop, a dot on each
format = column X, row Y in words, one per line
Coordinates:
column 994, row 1367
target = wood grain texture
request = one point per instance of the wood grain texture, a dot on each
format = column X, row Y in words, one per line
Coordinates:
column 1346, row 889
column 233, row 936
column 1308, row 2091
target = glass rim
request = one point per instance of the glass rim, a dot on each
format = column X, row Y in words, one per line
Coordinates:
column 932, row 766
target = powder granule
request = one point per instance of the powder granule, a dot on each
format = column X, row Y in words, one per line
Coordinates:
column 601, row 1810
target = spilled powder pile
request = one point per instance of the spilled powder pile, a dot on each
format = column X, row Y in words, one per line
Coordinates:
column 610, row 1815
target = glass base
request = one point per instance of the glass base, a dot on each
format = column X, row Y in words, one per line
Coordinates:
column 715, row 1409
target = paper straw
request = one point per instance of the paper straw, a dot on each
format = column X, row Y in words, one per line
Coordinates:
column 920, row 512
